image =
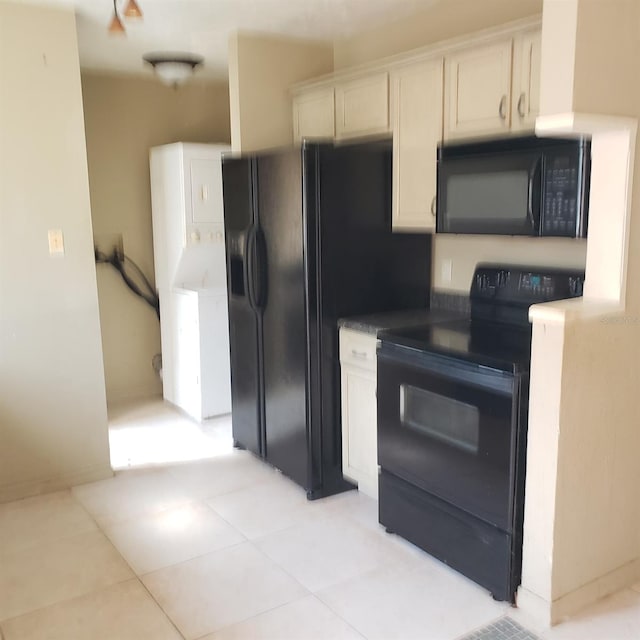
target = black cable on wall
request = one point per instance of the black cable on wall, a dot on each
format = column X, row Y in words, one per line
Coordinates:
column 120, row 262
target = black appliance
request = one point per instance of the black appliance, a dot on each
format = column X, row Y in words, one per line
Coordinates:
column 514, row 186
column 308, row 240
column 452, row 425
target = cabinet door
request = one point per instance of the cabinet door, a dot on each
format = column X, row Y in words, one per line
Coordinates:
column 478, row 91
column 362, row 106
column 359, row 428
column 416, row 106
column 526, row 80
column 314, row 115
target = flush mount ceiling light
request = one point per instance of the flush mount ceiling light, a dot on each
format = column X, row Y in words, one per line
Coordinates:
column 131, row 11
column 173, row 68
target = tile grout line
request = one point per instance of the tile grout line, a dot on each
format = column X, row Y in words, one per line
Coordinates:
column 244, row 541
column 314, row 594
column 81, row 595
column 135, row 575
column 335, row 613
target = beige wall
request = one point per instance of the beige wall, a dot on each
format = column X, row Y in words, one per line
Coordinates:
column 125, row 117
column 446, row 19
column 582, row 513
column 261, row 70
column 464, row 252
column 53, row 419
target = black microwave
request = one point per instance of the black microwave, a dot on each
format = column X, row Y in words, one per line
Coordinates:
column 514, row 186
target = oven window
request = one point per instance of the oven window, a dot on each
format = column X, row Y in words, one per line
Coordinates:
column 450, row 421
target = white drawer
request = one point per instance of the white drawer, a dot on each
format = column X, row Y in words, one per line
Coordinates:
column 358, row 349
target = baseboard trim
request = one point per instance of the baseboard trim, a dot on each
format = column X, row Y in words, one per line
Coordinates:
column 31, row 488
column 546, row 614
column 619, row 578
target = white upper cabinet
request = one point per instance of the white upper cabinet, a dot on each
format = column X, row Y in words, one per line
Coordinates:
column 416, row 108
column 478, row 90
column 314, row 114
column 526, row 80
column 362, row 106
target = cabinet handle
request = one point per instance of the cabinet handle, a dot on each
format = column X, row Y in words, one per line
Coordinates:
column 433, row 207
column 521, row 112
column 359, row 354
column 502, row 108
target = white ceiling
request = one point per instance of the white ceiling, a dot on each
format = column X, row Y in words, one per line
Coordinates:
column 204, row 26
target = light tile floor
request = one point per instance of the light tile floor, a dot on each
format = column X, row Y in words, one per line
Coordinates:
column 205, row 542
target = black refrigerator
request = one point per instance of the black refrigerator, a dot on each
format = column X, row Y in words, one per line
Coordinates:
column 308, row 240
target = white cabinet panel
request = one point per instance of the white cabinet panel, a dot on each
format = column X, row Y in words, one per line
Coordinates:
column 186, row 370
column 314, row 115
column 417, row 104
column 359, row 412
column 360, row 389
column 362, row 106
column 526, row 80
column 206, row 191
column 478, row 90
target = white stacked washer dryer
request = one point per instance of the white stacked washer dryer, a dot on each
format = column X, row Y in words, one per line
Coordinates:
column 190, row 271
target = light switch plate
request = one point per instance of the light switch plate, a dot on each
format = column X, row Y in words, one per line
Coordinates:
column 56, row 242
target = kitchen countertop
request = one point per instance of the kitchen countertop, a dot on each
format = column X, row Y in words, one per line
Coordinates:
column 376, row 322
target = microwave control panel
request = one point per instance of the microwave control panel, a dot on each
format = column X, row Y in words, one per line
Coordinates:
column 561, row 195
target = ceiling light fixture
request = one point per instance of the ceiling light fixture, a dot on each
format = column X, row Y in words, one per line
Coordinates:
column 131, row 11
column 173, row 68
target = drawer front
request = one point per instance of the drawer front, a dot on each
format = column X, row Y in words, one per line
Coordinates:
column 358, row 349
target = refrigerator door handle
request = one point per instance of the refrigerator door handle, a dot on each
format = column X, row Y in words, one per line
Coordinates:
column 250, row 262
column 260, row 248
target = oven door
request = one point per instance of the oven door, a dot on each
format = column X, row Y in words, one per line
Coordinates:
column 450, row 428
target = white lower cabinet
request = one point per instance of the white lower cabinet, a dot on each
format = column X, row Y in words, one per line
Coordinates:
column 359, row 412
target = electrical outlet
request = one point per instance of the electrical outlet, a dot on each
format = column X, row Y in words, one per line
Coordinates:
column 107, row 243
column 446, row 270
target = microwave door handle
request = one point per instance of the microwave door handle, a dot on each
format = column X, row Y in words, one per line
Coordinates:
column 532, row 183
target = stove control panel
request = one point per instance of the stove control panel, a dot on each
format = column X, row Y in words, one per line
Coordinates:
column 523, row 286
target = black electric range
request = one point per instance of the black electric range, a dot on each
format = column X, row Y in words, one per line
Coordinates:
column 452, row 425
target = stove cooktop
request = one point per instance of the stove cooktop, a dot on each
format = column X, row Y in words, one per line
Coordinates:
column 493, row 345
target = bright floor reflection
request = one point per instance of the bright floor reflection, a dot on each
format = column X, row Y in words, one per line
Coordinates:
column 153, row 432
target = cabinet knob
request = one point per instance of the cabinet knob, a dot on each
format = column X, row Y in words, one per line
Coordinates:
column 433, row 207
column 502, row 109
column 520, row 107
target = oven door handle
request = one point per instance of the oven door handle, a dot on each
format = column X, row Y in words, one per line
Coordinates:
column 465, row 373
column 533, row 174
